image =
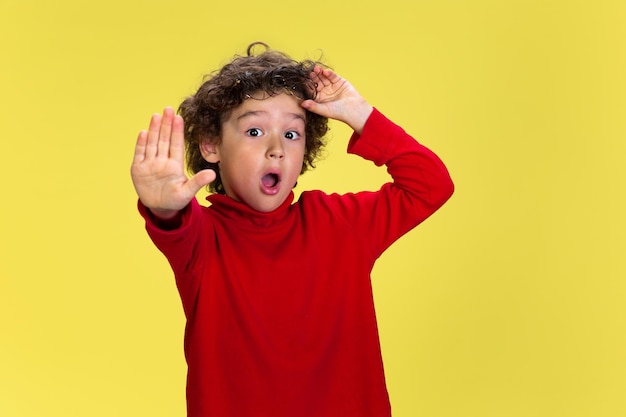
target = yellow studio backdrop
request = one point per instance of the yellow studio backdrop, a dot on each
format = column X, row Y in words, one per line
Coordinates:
column 510, row 301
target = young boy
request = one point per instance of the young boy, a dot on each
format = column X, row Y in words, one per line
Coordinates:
column 277, row 293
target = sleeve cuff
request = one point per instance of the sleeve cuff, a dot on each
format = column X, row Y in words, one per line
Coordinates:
column 376, row 142
column 154, row 224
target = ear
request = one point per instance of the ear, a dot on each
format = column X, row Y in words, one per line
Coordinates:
column 209, row 151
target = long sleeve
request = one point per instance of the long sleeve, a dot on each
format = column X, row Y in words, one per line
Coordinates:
column 421, row 185
column 184, row 247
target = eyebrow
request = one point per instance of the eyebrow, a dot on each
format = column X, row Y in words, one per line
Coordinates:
column 259, row 112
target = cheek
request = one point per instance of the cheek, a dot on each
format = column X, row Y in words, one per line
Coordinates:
column 300, row 149
column 299, row 164
column 297, row 153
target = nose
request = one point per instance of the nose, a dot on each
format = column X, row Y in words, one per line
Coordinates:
column 275, row 148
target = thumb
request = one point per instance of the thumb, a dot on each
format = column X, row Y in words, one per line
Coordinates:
column 201, row 179
column 315, row 107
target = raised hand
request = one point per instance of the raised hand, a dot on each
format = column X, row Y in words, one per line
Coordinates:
column 338, row 99
column 158, row 167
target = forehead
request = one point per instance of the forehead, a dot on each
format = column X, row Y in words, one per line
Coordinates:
column 275, row 106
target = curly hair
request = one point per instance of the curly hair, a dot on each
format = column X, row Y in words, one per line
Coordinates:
column 269, row 73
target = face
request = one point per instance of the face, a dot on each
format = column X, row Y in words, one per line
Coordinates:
column 261, row 151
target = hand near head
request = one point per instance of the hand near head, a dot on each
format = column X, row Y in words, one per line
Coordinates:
column 338, row 99
column 158, row 169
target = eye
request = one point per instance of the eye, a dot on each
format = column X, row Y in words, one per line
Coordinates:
column 292, row 135
column 254, row 132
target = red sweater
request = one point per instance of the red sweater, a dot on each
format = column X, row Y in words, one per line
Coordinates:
column 279, row 306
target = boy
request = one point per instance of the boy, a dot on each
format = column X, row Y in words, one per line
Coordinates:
column 277, row 294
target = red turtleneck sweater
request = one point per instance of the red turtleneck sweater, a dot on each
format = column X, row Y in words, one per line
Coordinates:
column 279, row 306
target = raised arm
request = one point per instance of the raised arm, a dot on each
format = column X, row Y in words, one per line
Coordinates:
column 158, row 171
column 421, row 182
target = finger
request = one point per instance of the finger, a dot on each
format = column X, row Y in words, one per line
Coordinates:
column 201, row 179
column 316, row 70
column 328, row 76
column 153, row 136
column 316, row 76
column 177, row 147
column 165, row 132
column 321, row 80
column 331, row 75
column 315, row 107
column 140, row 147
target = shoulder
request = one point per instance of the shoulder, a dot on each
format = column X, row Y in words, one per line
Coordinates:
column 318, row 197
column 337, row 207
column 318, row 204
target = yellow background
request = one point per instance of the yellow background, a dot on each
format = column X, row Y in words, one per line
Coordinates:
column 510, row 301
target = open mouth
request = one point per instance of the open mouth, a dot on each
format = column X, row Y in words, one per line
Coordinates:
column 270, row 180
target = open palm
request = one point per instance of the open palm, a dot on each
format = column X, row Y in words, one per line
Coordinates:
column 337, row 99
column 158, row 166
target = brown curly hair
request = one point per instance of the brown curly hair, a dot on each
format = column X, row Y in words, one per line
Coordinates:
column 271, row 72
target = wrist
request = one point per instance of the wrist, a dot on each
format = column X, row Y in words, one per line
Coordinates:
column 164, row 214
column 358, row 117
column 166, row 219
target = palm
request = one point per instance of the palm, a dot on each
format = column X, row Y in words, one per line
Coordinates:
column 333, row 91
column 337, row 99
column 158, row 168
column 158, row 183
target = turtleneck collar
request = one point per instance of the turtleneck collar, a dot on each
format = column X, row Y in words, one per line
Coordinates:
column 245, row 215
